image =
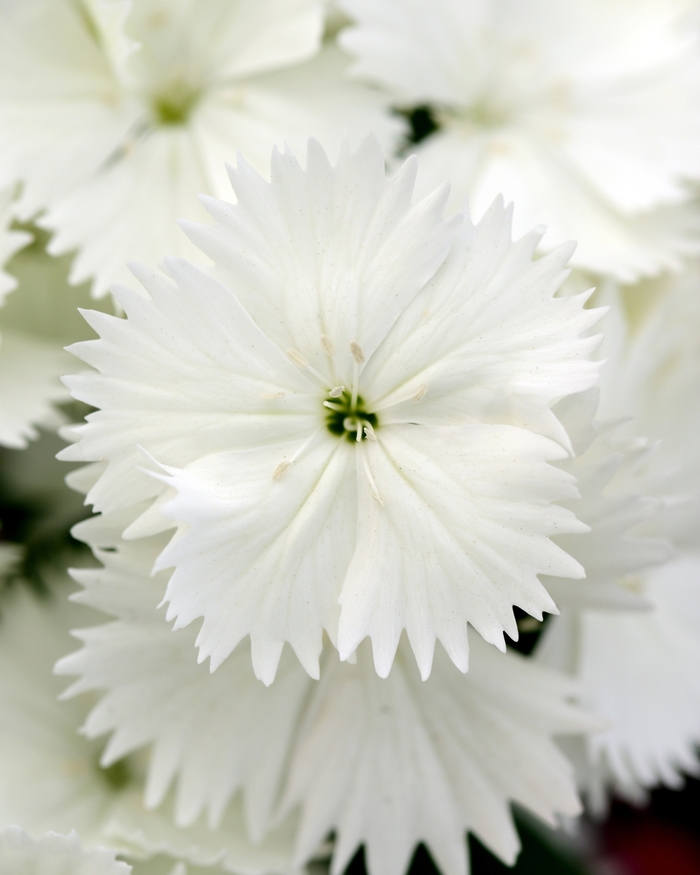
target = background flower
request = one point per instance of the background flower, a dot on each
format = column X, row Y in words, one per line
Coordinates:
column 583, row 115
column 115, row 115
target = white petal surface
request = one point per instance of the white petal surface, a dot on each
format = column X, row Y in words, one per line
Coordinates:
column 460, row 536
column 54, row 854
column 160, row 384
column 486, row 338
column 337, row 251
column 270, row 554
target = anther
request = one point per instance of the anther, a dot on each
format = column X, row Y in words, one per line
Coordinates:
column 297, row 358
column 280, row 469
column 369, row 432
column 337, row 392
column 372, row 485
column 331, row 406
column 327, row 345
column 356, row 351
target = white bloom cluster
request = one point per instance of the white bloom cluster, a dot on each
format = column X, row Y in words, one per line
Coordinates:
column 349, row 406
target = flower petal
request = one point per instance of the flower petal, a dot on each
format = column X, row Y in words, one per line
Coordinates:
column 459, row 537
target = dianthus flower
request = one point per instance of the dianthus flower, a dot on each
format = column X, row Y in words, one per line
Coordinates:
column 350, row 413
column 115, row 114
column 582, row 113
column 636, row 656
column 29, row 367
column 54, row 853
column 50, row 774
column 384, row 763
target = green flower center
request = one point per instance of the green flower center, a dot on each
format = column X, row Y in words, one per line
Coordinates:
column 174, row 105
column 345, row 419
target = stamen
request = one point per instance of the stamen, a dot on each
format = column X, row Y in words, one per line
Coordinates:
column 357, row 353
column 417, row 394
column 297, row 358
column 358, row 359
column 370, row 433
column 280, row 469
column 327, row 345
column 285, row 464
column 372, row 484
column 331, row 406
column 302, row 362
column 337, row 392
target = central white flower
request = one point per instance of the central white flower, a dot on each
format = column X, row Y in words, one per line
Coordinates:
column 349, row 415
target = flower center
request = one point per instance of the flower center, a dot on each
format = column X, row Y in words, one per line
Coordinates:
column 347, row 417
column 174, row 105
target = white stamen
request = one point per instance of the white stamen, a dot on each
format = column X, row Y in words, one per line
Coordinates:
column 369, row 432
column 372, row 484
column 331, row 406
column 357, row 353
column 327, row 345
column 297, row 358
column 416, row 394
column 287, row 463
column 280, row 469
column 355, row 384
column 336, row 392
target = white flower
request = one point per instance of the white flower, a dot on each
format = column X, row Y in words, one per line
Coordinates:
column 115, row 114
column 349, row 417
column 10, row 242
column 584, row 114
column 635, row 657
column 382, row 762
column 54, row 854
column 29, row 367
column 638, row 670
column 616, row 501
column 50, row 778
column 653, row 375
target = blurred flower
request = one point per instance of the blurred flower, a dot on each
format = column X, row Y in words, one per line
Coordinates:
column 388, row 462
column 584, row 114
column 50, row 777
column 29, row 368
column 386, row 763
column 635, row 657
column 115, row 114
column 55, row 854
